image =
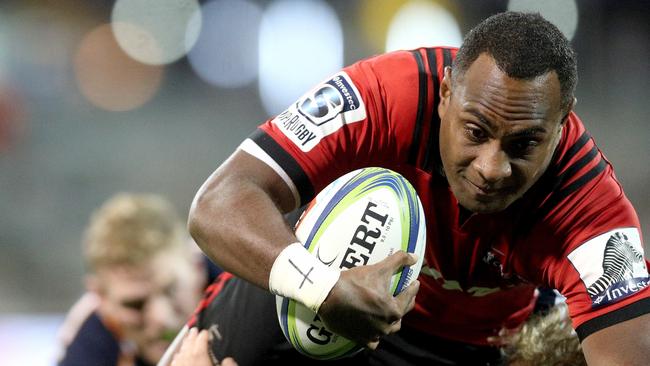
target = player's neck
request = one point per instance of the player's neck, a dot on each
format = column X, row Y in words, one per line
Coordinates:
column 463, row 215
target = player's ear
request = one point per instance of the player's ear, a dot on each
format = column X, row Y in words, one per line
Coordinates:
column 92, row 283
column 445, row 91
column 569, row 108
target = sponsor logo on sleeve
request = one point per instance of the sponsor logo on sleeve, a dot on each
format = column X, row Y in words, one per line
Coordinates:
column 611, row 266
column 322, row 111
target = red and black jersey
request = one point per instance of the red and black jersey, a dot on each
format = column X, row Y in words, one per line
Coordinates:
column 574, row 230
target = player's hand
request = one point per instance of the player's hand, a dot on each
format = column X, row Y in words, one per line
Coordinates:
column 194, row 351
column 361, row 307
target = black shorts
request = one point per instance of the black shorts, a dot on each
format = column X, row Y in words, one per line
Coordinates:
column 243, row 320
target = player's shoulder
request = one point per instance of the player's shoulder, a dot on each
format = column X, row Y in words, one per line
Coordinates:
column 402, row 65
column 91, row 343
column 579, row 173
column 579, row 196
column 423, row 60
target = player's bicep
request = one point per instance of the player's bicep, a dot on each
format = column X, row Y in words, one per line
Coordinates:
column 242, row 168
column 625, row 343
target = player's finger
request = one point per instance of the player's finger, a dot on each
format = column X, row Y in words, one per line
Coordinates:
column 406, row 298
column 373, row 344
column 228, row 361
column 395, row 326
column 201, row 343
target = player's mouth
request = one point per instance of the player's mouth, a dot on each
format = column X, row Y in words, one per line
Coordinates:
column 157, row 346
column 484, row 192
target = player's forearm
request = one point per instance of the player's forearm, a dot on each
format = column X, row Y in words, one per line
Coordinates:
column 238, row 225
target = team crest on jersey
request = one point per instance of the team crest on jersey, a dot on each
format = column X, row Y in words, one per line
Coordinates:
column 611, row 266
column 322, row 111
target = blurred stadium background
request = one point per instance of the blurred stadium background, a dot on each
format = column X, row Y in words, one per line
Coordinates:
column 101, row 96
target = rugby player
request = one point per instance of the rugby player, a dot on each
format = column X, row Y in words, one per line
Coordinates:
column 143, row 281
column 515, row 190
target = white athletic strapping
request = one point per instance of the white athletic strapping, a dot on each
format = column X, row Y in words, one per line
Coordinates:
column 299, row 275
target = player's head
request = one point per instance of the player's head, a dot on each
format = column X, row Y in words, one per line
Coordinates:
column 524, row 46
column 140, row 265
column 545, row 339
column 503, row 105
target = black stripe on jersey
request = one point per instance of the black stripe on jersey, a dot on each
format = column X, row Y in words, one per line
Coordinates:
column 287, row 162
column 422, row 102
column 627, row 312
column 560, row 195
column 582, row 141
column 581, row 163
column 446, row 56
column 552, row 178
column 553, row 182
column 586, row 178
column 432, row 142
column 432, row 151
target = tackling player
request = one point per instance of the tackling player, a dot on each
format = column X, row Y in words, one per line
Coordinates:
column 516, row 195
column 143, row 281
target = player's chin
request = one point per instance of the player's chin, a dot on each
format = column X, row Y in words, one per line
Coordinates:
column 154, row 350
column 487, row 206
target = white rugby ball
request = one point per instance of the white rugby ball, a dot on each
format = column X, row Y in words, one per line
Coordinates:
column 360, row 218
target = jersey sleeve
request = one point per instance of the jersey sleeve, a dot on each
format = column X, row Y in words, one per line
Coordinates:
column 604, row 276
column 361, row 116
column 601, row 269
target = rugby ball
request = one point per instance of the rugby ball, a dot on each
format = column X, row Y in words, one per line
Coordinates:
column 360, row 218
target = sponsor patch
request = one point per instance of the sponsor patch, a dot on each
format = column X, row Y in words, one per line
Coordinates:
column 322, row 111
column 611, row 266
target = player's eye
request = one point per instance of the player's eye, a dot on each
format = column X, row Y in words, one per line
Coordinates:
column 475, row 134
column 137, row 305
column 523, row 147
column 170, row 290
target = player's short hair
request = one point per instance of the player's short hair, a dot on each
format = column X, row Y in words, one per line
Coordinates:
column 130, row 229
column 545, row 339
column 524, row 46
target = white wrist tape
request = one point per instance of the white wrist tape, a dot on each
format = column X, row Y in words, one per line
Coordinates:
column 299, row 275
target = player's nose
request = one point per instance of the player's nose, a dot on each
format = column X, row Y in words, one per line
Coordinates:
column 161, row 314
column 493, row 164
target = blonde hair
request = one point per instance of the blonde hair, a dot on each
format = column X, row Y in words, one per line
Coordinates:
column 546, row 340
column 129, row 229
